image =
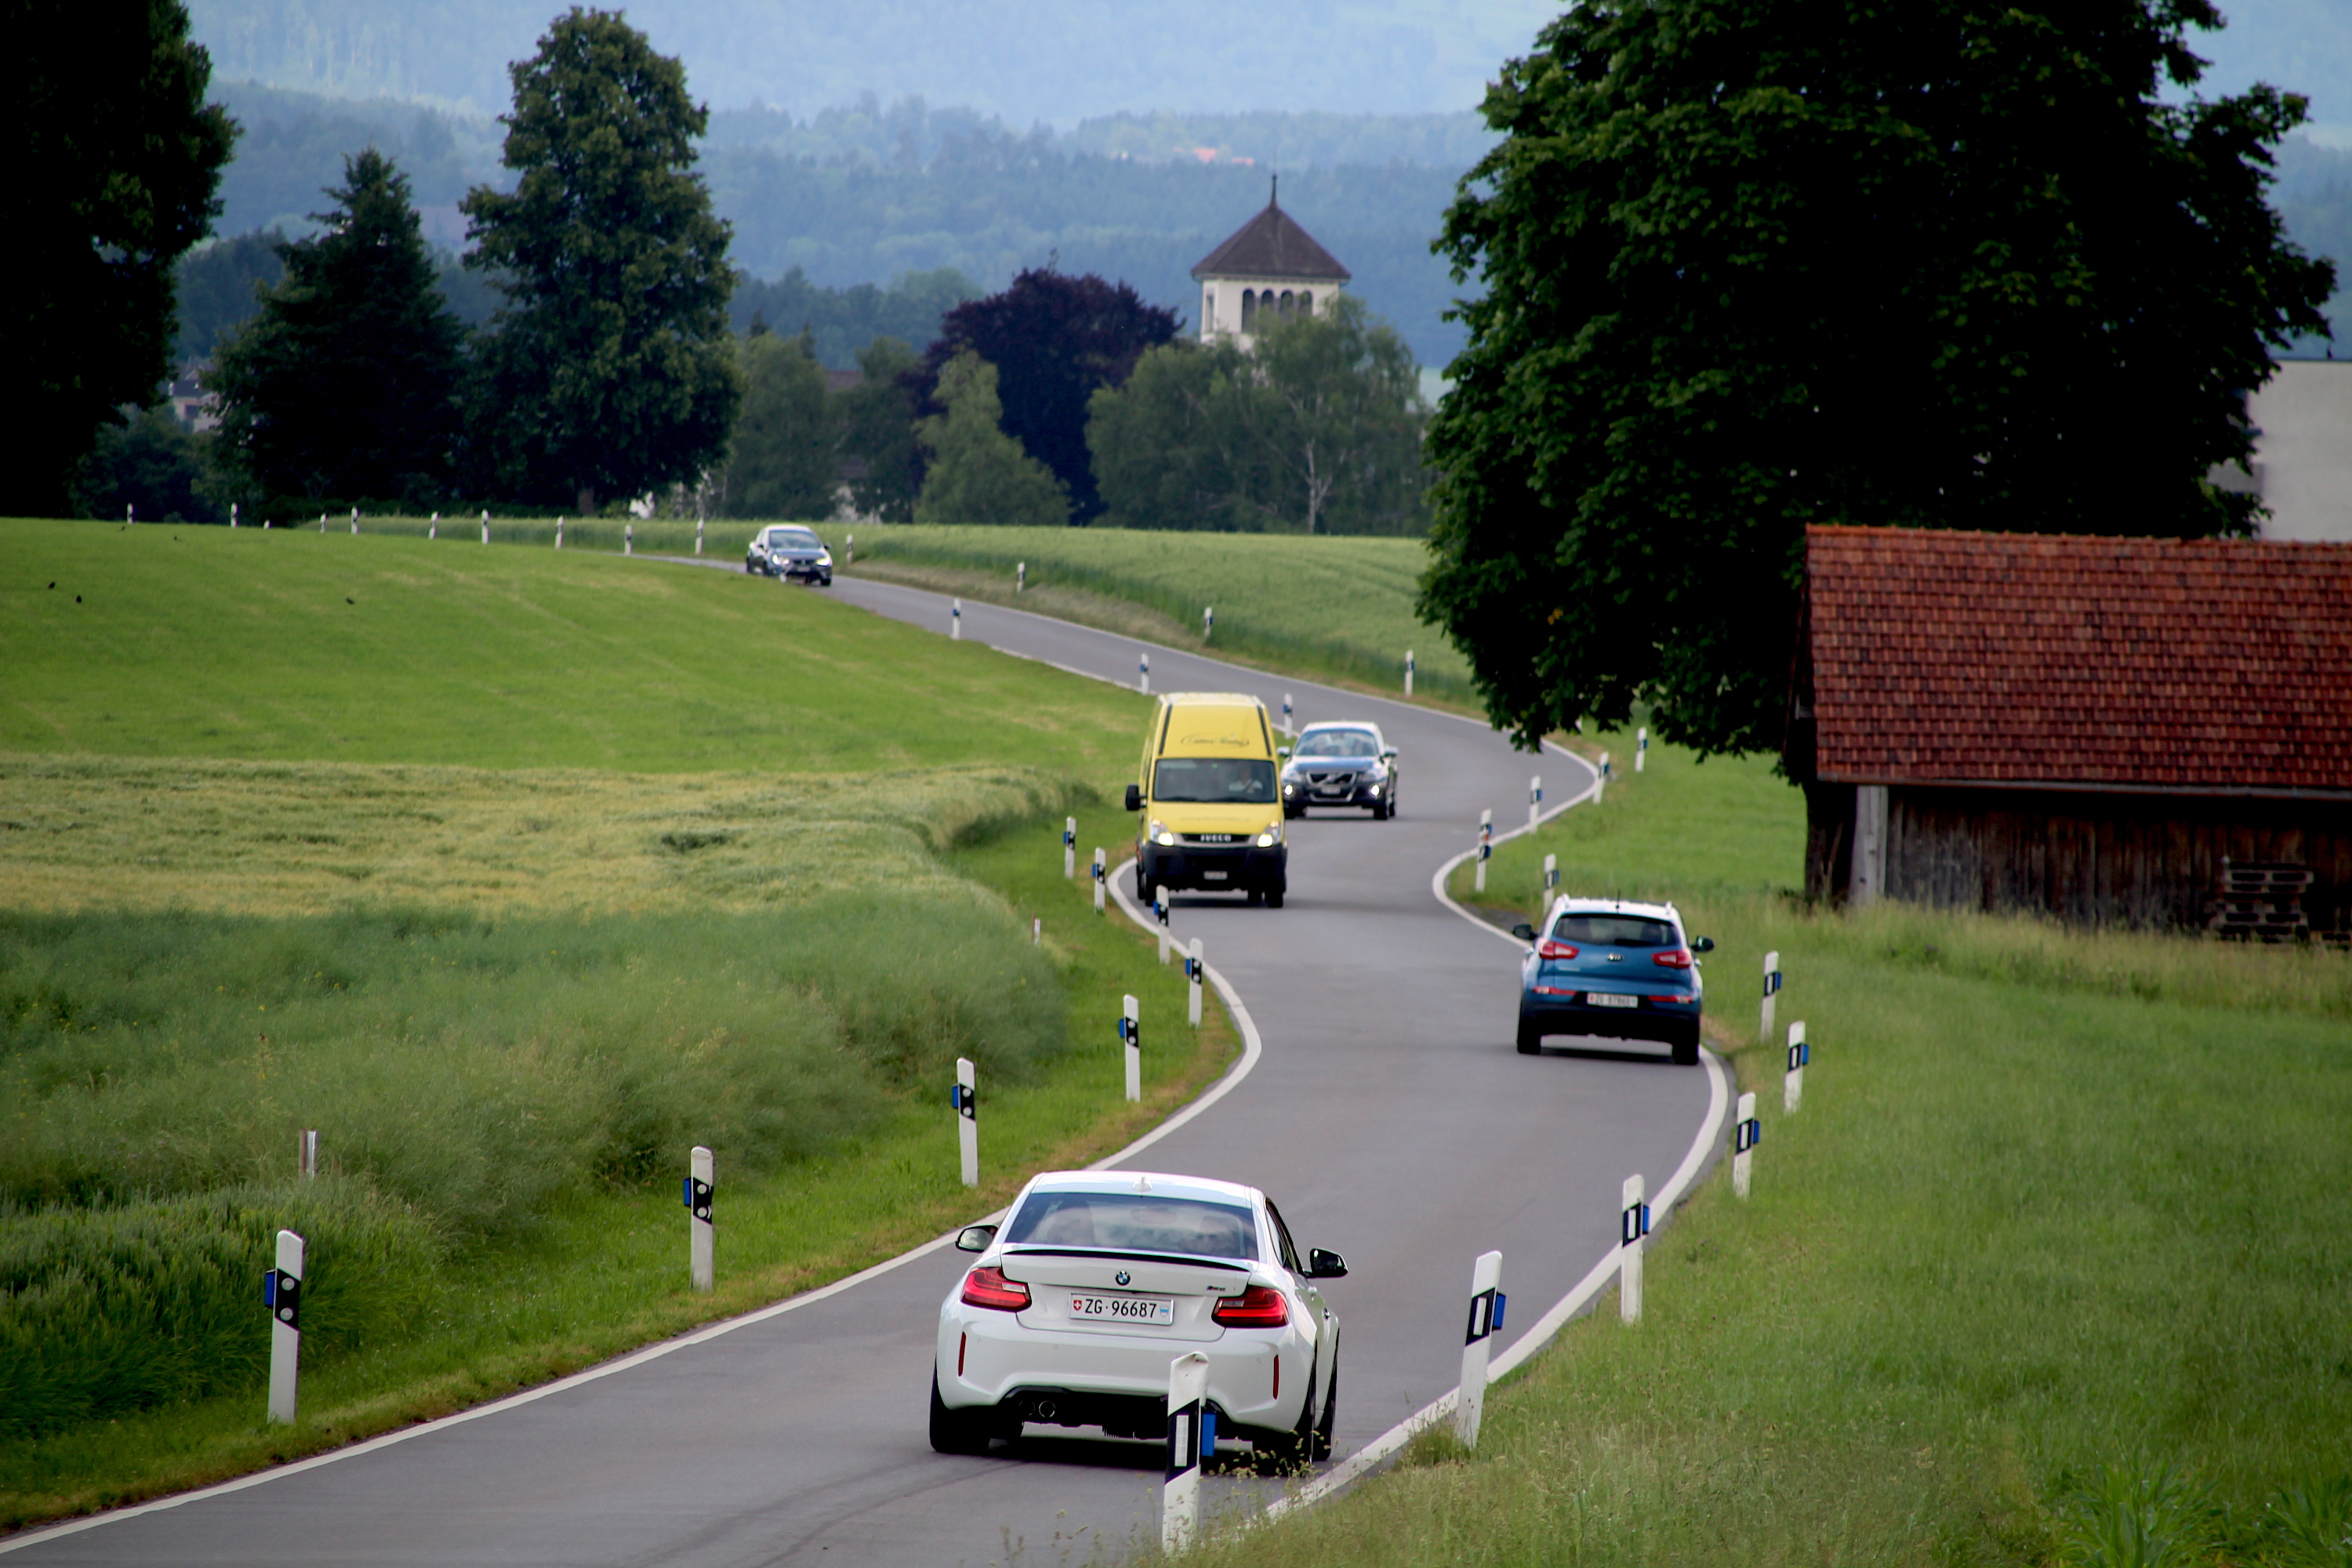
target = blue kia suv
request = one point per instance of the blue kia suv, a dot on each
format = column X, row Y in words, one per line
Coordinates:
column 1624, row 971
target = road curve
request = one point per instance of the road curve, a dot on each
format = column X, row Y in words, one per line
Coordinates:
column 1388, row 1114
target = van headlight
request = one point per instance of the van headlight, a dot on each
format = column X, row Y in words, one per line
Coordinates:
column 1270, row 838
column 1160, row 835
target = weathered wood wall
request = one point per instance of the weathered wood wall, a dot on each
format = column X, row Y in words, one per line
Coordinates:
column 2105, row 860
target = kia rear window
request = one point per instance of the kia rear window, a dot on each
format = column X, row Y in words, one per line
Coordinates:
column 1136, row 1222
column 1615, row 930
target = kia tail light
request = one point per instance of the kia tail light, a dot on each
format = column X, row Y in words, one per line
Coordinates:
column 1673, row 958
column 1259, row 1307
column 1550, row 949
column 986, row 1287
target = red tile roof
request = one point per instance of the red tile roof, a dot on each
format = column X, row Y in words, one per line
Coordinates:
column 2024, row 658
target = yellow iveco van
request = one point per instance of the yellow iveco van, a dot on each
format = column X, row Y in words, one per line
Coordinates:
column 1209, row 816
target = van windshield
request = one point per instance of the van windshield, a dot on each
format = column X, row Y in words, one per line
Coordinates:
column 1201, row 780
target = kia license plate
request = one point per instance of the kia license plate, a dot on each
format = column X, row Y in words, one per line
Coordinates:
column 1611, row 999
column 1214, row 876
column 1092, row 1309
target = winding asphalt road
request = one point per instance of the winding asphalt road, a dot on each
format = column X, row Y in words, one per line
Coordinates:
column 1386, row 1112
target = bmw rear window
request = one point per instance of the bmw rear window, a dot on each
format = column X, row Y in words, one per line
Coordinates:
column 1136, row 1222
column 1615, row 930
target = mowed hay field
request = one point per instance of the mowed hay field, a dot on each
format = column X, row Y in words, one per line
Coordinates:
column 515, row 875
column 2052, row 1264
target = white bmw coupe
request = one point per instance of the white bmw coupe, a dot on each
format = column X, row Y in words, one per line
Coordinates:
column 1100, row 1279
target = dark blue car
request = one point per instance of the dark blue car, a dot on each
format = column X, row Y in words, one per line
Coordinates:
column 1620, row 971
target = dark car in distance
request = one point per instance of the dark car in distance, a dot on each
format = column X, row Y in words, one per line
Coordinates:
column 792, row 552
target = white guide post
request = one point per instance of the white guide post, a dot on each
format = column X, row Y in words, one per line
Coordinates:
column 1020, row 575
column 1486, row 1318
column 1535, row 799
column 1408, row 672
column 955, row 620
column 1771, row 996
column 697, row 536
column 1641, row 748
column 306, row 1154
column 1193, row 969
column 1792, row 1087
column 1189, row 1422
column 232, row 514
column 1551, row 874
column 1130, row 1035
column 1143, row 673
column 1486, row 845
column 1285, row 715
column 486, row 528
column 433, row 529
column 1632, row 1227
column 628, row 539
column 285, row 1295
column 967, row 1107
column 355, row 522
column 1745, row 1135
column 1160, row 909
column 1069, row 848
column 701, row 1188
column 1037, row 932
column 1208, row 622
column 1102, row 881
column 849, row 550
column 559, row 533
column 130, row 515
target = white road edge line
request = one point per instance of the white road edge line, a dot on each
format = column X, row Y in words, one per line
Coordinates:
column 1251, row 1051
column 1364, row 1460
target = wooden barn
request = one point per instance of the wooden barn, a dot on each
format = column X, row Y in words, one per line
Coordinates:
column 2114, row 731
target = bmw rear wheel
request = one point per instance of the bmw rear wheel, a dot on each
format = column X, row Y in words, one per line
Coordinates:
column 959, row 1431
column 1320, row 1448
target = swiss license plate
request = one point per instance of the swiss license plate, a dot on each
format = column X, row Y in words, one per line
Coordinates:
column 1611, row 999
column 1123, row 1308
column 1214, row 876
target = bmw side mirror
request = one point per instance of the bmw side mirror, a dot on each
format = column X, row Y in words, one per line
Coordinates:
column 1135, row 797
column 1524, row 931
column 975, row 1237
column 1702, row 944
column 1322, row 1264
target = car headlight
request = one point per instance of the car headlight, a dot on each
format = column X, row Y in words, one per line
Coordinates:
column 1375, row 789
column 1160, row 835
column 825, row 559
column 1270, row 838
column 1288, row 787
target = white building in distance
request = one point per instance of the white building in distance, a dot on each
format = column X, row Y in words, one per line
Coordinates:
column 1270, row 264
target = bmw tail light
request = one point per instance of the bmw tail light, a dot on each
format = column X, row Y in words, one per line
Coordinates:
column 989, row 1287
column 1676, row 958
column 1259, row 1307
column 1550, row 949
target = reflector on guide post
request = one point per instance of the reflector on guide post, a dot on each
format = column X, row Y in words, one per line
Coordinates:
column 1632, row 1227
column 1486, row 845
column 1408, row 672
column 1486, row 1318
column 955, row 620
column 1069, row 847
column 967, row 1108
column 1285, row 715
column 1130, row 1036
column 1188, row 1417
column 1641, row 748
column 1102, row 882
column 283, row 1291
column 1551, row 874
column 1160, row 909
column 1143, row 673
column 1535, row 799
column 701, row 1186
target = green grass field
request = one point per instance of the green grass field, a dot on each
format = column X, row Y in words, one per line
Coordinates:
column 514, row 874
column 2051, row 1267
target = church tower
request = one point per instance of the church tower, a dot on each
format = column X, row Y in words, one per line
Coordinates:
column 1270, row 265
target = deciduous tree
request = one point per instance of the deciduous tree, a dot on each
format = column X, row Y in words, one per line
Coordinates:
column 782, row 460
column 118, row 157
column 978, row 473
column 609, row 372
column 1745, row 265
column 345, row 385
column 1052, row 340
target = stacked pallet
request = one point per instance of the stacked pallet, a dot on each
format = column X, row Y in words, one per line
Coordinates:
column 2259, row 902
